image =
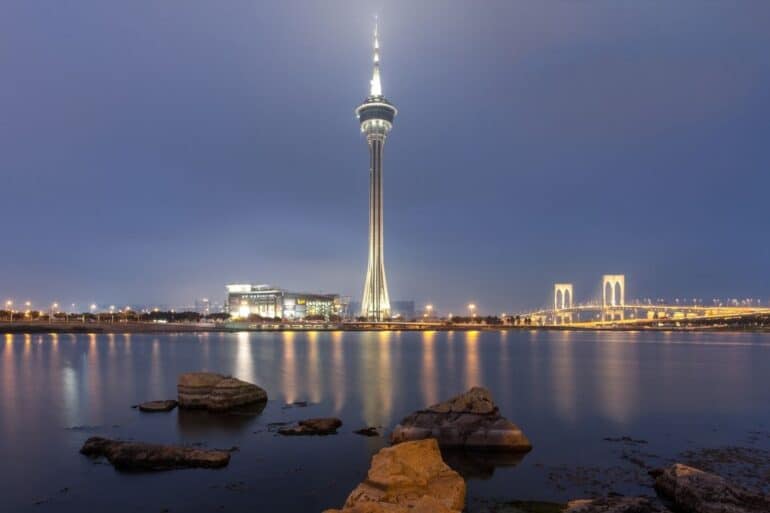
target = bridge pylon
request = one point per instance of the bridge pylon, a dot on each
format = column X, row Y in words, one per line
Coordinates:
column 562, row 300
column 613, row 296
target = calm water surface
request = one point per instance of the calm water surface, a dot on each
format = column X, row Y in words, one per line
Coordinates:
column 567, row 390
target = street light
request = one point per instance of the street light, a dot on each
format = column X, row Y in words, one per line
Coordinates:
column 472, row 309
column 9, row 304
column 112, row 314
column 54, row 307
column 428, row 310
column 28, row 304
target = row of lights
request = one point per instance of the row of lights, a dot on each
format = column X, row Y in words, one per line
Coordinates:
column 55, row 307
column 429, row 310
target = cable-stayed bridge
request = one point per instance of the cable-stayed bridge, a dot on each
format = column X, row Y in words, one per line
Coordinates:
column 613, row 310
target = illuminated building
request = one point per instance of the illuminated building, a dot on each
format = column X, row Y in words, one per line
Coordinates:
column 244, row 300
column 376, row 117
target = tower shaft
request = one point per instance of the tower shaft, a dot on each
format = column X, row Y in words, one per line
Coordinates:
column 376, row 303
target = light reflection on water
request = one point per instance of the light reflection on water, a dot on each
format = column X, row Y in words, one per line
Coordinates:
column 428, row 382
column 289, row 368
column 563, row 388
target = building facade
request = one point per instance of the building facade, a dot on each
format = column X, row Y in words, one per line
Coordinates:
column 245, row 300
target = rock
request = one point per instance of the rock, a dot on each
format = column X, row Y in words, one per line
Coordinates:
column 696, row 491
column 319, row 426
column 408, row 478
column 144, row 456
column 367, row 431
column 615, row 505
column 470, row 420
column 215, row 392
column 156, row 406
column 424, row 504
column 624, row 439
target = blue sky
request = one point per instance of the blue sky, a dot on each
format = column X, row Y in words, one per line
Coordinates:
column 154, row 151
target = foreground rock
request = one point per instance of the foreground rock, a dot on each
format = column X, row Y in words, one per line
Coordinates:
column 470, row 420
column 143, row 456
column 158, row 406
column 408, row 478
column 696, row 491
column 216, row 392
column 319, row 426
column 615, row 505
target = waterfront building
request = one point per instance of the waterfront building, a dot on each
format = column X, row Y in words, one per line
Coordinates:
column 244, row 300
column 375, row 115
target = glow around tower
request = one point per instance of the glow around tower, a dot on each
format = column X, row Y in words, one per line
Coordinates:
column 376, row 117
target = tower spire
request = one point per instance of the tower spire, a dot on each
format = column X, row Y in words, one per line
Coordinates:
column 375, row 87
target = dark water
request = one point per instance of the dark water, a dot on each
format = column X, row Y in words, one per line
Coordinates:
column 568, row 391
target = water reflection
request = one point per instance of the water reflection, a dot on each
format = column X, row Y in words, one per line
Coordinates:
column 70, row 396
column 563, row 376
column 617, row 378
column 376, row 378
column 156, row 375
column 289, row 367
column 479, row 464
column 196, row 424
column 472, row 372
column 8, row 377
column 91, row 378
column 313, row 368
column 244, row 361
column 338, row 372
column 429, row 374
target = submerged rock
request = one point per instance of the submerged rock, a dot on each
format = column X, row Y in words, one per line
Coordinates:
column 696, row 491
column 158, row 406
column 470, row 420
column 408, row 478
column 615, row 505
column 144, row 456
column 319, row 426
column 215, row 392
column 368, row 431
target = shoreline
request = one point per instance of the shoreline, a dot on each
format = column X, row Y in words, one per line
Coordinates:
column 146, row 327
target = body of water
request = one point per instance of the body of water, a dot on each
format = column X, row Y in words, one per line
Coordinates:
column 567, row 390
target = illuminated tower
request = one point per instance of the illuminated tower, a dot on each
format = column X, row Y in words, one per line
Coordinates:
column 376, row 117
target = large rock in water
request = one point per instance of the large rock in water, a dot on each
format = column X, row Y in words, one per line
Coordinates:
column 470, row 420
column 216, row 392
column 143, row 456
column 408, row 478
column 696, row 491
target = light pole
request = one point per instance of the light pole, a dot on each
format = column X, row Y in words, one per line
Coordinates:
column 28, row 304
column 93, row 309
column 429, row 311
column 9, row 305
column 112, row 314
column 472, row 310
column 53, row 310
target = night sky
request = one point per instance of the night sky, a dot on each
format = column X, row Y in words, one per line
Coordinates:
column 151, row 152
